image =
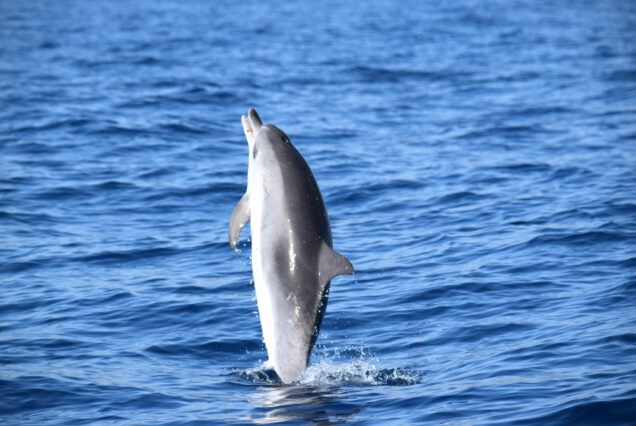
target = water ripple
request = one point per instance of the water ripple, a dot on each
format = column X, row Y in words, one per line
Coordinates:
column 476, row 162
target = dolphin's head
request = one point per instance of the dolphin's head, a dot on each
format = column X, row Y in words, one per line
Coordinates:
column 251, row 124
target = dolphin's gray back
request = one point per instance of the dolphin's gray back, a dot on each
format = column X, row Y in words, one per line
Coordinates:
column 303, row 202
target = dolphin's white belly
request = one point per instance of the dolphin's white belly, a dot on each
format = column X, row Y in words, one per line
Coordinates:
column 266, row 281
column 263, row 298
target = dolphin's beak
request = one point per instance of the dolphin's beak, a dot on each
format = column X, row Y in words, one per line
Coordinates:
column 254, row 119
column 251, row 124
column 247, row 128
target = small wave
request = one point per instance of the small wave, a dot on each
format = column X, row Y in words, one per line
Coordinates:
column 126, row 150
column 617, row 411
column 202, row 190
column 524, row 168
column 459, row 197
column 367, row 192
column 148, row 60
column 210, row 349
column 569, row 172
column 28, row 218
column 110, row 257
column 72, row 123
column 49, row 44
column 113, row 185
column 15, row 267
column 118, row 130
column 628, row 263
column 33, row 393
column 588, row 238
column 622, row 75
column 506, row 132
column 539, row 111
column 192, row 96
column 627, row 339
column 62, row 193
column 34, row 147
column 156, row 172
column 182, row 128
column 373, row 74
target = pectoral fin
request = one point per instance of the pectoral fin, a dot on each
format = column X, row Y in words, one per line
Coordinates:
column 332, row 264
column 240, row 216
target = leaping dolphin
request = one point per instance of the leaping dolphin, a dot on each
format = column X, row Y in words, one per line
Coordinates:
column 292, row 258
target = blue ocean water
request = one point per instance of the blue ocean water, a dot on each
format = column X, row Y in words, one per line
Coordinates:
column 477, row 160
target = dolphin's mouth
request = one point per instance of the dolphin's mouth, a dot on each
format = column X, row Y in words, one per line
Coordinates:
column 251, row 123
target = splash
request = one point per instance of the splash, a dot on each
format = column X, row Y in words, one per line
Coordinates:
column 333, row 370
column 356, row 372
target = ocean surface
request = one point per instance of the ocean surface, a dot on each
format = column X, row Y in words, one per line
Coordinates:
column 477, row 159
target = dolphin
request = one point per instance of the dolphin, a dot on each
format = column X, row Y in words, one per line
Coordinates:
column 292, row 257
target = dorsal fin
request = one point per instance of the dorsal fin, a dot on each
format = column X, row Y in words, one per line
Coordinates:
column 240, row 216
column 332, row 264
